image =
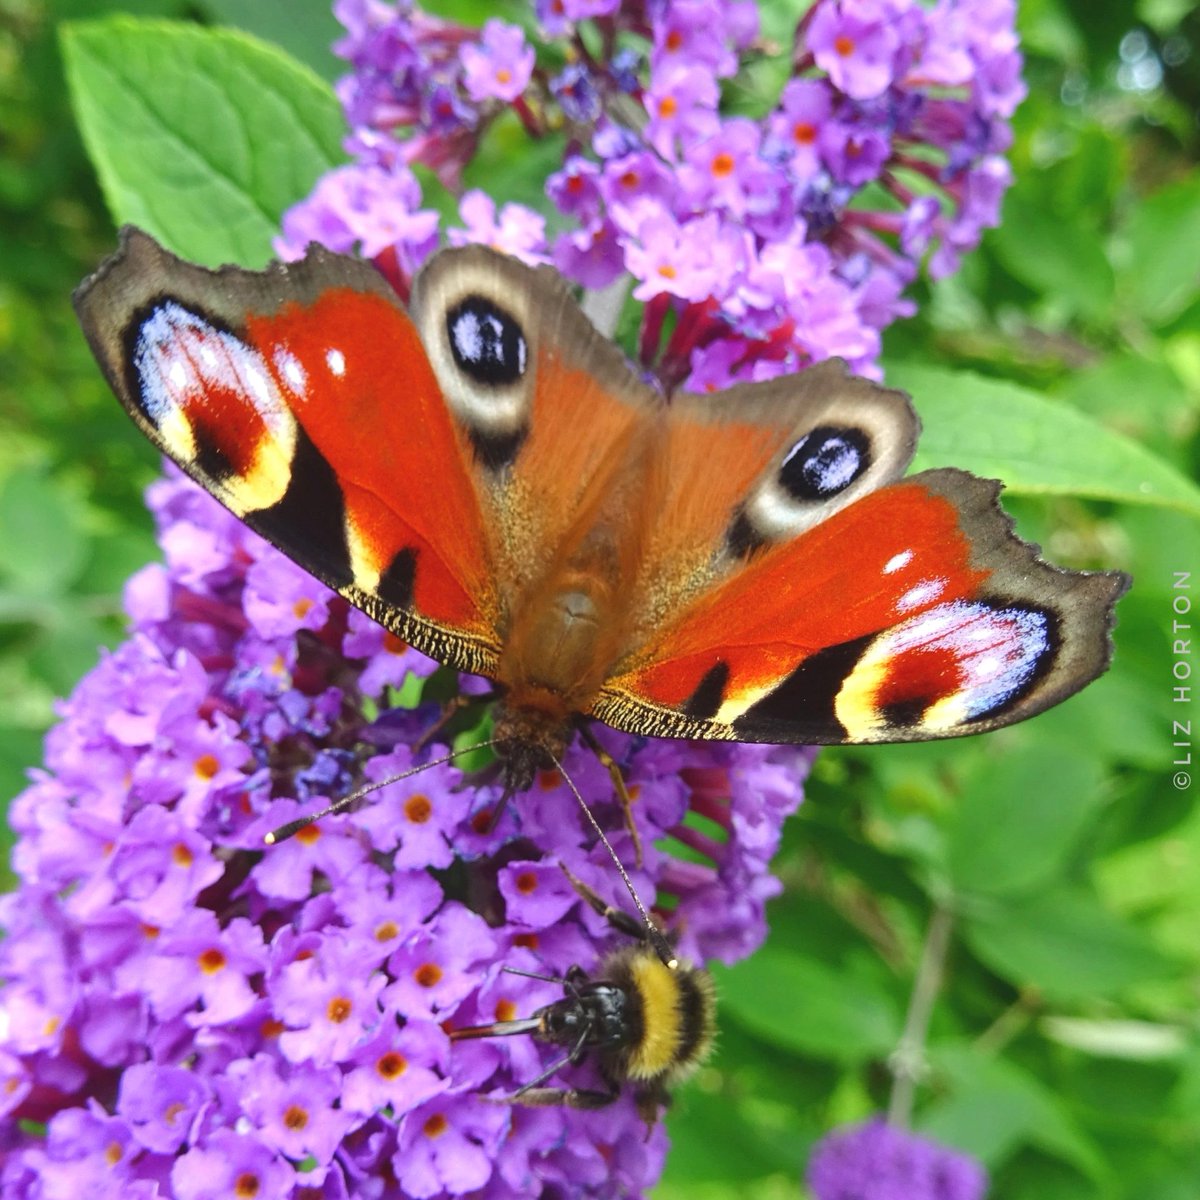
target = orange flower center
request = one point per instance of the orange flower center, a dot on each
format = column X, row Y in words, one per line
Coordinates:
column 206, row 766
column 212, row 961
column 844, row 45
column 392, row 1065
column 428, row 975
column 723, row 165
column 418, row 809
column 339, row 1010
column 295, row 1117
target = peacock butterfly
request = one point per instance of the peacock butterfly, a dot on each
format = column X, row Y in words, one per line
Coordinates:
column 488, row 478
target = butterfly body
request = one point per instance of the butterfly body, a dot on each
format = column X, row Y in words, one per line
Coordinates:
column 487, row 477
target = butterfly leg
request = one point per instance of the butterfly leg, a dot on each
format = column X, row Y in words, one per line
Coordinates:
column 450, row 709
column 614, row 916
column 613, row 768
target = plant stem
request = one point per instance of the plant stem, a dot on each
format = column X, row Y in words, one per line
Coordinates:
column 907, row 1061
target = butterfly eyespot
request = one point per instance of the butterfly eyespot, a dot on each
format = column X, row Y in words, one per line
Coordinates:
column 824, row 462
column 487, row 344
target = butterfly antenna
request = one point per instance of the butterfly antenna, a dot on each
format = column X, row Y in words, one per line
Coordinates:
column 654, row 935
column 293, row 827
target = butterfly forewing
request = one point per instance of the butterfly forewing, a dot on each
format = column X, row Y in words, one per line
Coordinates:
column 302, row 399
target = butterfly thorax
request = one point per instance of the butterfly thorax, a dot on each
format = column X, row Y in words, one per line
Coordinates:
column 555, row 659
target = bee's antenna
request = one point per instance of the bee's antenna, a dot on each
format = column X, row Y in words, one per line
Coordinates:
column 293, row 827
column 654, row 935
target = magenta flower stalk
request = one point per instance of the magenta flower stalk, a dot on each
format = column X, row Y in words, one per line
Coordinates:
column 189, row 1014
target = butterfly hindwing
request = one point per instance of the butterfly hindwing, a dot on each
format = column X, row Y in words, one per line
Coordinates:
column 302, row 399
column 912, row 613
column 554, row 414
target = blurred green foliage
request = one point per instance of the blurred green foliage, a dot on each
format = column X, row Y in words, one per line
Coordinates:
column 1063, row 1045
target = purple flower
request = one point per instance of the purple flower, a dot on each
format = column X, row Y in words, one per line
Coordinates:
column 681, row 102
column 227, row 1164
column 856, row 42
column 447, row 1147
column 160, row 1104
column 575, row 189
column 499, row 65
column 874, row 1161
column 576, row 93
column 688, row 32
column 517, row 230
column 667, row 257
column 293, row 1107
column 397, row 1068
column 804, row 108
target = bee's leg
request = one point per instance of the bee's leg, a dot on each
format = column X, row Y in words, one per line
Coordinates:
column 614, row 916
column 650, row 1104
column 613, row 768
column 584, row 1098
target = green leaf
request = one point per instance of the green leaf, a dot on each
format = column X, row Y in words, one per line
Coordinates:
column 703, row 1129
column 1062, row 259
column 510, row 165
column 1141, row 397
column 995, row 1106
column 203, row 137
column 1038, row 447
column 1164, row 251
column 1020, row 817
column 801, row 1005
column 42, row 543
column 1064, row 942
column 305, row 30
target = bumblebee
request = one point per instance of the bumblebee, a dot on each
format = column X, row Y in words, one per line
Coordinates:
column 646, row 1018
